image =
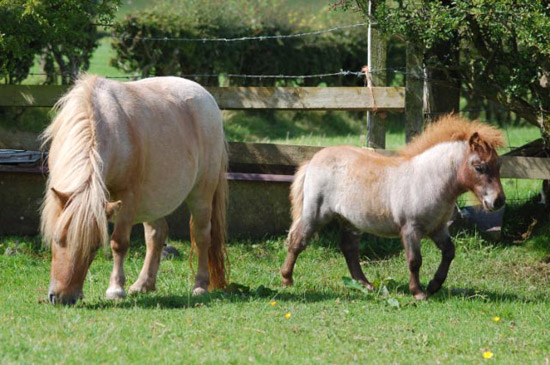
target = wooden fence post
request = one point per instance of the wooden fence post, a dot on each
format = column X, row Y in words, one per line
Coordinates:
column 377, row 49
column 414, row 91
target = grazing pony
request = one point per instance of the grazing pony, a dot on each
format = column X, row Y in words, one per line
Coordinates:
column 132, row 153
column 411, row 195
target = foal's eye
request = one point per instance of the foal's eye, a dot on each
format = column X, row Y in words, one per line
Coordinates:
column 481, row 168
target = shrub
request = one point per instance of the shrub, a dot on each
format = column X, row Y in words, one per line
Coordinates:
column 317, row 54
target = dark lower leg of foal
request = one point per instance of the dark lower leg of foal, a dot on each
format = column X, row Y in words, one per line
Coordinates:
column 414, row 260
column 297, row 242
column 447, row 247
column 349, row 244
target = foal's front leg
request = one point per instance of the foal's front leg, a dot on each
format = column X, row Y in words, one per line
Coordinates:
column 349, row 244
column 443, row 240
column 155, row 236
column 411, row 242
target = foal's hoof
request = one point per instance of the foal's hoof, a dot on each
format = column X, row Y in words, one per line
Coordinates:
column 198, row 291
column 115, row 293
column 421, row 296
column 288, row 281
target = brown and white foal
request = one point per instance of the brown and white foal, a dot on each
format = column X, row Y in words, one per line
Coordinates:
column 411, row 195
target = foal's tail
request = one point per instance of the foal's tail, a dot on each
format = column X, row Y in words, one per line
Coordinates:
column 297, row 197
column 217, row 253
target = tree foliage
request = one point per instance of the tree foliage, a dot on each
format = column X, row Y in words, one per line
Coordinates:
column 62, row 32
column 504, row 46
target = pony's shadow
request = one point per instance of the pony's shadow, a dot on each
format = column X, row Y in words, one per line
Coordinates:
column 188, row 301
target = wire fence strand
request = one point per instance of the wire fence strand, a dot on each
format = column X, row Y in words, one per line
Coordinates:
column 246, row 38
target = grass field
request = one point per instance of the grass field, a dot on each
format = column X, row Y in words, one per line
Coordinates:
column 318, row 320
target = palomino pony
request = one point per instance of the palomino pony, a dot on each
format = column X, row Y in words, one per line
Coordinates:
column 411, row 195
column 132, row 153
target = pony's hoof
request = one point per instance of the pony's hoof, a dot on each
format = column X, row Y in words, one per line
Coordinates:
column 115, row 293
column 141, row 288
column 198, row 291
column 421, row 296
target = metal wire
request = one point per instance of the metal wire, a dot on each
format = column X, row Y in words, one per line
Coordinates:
column 240, row 39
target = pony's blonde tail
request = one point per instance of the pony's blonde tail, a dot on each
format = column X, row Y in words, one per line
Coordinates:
column 218, row 261
column 297, row 197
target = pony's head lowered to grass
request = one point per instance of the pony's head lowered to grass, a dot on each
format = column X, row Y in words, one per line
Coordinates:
column 479, row 171
column 75, row 209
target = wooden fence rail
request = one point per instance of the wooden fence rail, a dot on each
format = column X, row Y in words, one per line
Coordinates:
column 286, row 157
column 282, row 98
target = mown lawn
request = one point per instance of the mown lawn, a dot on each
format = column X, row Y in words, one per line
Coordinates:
column 319, row 320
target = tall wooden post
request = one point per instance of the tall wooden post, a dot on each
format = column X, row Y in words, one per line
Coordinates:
column 376, row 130
column 414, row 91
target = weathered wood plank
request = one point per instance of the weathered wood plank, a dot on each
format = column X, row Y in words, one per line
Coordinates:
column 297, row 98
column 517, row 167
column 30, row 95
column 308, row 98
column 525, row 167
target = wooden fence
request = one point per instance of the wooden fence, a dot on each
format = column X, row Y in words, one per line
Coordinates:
column 281, row 159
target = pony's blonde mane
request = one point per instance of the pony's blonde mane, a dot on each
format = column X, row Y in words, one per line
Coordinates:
column 452, row 128
column 77, row 172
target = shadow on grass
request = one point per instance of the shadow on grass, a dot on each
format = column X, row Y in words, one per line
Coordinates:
column 146, row 301
column 469, row 294
column 188, row 301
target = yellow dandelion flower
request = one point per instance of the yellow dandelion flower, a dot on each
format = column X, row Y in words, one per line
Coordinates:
column 288, row 315
column 487, row 354
column 272, row 303
column 496, row 319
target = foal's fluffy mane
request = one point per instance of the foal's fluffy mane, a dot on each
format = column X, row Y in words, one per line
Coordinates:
column 450, row 128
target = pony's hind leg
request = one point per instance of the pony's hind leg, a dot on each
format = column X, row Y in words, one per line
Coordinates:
column 155, row 236
column 200, row 226
column 411, row 242
column 447, row 247
column 349, row 244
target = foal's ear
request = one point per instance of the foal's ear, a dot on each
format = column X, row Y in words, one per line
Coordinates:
column 112, row 208
column 62, row 198
column 477, row 144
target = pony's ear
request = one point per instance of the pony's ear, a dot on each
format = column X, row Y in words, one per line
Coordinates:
column 62, row 198
column 112, row 208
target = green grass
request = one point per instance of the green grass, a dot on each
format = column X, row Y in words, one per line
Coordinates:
column 329, row 323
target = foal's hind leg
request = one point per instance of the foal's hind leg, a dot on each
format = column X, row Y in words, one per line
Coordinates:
column 297, row 241
column 349, row 244
column 155, row 236
column 447, row 247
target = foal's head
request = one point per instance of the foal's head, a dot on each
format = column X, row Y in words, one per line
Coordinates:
column 480, row 173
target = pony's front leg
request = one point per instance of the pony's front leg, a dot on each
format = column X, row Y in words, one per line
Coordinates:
column 411, row 243
column 120, row 241
column 155, row 236
column 349, row 244
column 447, row 247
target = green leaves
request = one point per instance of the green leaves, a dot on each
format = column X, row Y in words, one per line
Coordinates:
column 380, row 293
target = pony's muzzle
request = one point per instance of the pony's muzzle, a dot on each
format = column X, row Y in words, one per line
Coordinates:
column 61, row 298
